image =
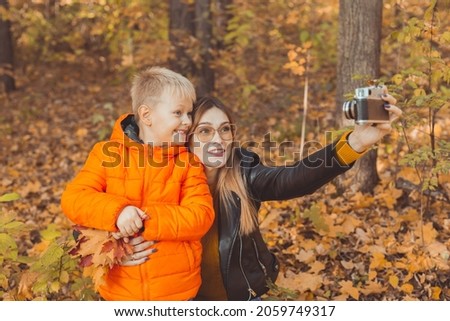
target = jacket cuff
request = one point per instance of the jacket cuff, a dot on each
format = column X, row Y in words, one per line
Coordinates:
column 345, row 153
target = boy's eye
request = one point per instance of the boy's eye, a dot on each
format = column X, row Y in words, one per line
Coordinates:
column 178, row 113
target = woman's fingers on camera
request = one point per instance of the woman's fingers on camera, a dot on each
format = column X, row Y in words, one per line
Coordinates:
column 394, row 112
column 389, row 99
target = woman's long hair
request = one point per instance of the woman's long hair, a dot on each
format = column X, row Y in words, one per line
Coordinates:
column 230, row 178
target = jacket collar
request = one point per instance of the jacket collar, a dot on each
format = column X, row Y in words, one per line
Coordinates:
column 126, row 132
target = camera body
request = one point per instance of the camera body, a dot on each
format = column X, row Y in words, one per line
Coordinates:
column 367, row 106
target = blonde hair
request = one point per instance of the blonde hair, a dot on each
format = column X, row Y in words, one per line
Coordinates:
column 152, row 82
column 230, row 179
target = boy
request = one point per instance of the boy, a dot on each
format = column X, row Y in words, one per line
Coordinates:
column 144, row 181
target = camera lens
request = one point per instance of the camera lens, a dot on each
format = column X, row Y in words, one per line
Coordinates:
column 349, row 109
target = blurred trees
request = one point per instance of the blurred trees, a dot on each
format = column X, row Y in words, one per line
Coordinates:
column 181, row 31
column 6, row 48
column 190, row 34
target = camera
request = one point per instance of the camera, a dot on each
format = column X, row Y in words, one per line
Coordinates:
column 367, row 106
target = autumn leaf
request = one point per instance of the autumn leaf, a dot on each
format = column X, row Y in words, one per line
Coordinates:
column 378, row 261
column 81, row 133
column 373, row 287
column 428, row 232
column 372, row 275
column 26, row 282
column 348, row 288
column 314, row 214
column 316, row 267
column 306, row 256
column 348, row 265
column 301, row 281
column 362, row 200
column 393, row 280
column 98, row 252
column 407, row 287
column 436, row 292
column 9, row 197
column 438, row 249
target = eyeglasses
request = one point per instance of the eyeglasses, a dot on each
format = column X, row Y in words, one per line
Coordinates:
column 206, row 133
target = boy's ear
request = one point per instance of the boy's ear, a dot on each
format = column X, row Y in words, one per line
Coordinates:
column 145, row 114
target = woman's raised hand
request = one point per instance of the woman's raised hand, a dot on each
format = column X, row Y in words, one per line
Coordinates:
column 364, row 136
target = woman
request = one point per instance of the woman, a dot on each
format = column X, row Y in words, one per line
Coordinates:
column 236, row 263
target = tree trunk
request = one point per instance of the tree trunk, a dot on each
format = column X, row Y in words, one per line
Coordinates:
column 203, row 32
column 6, row 52
column 181, row 29
column 359, row 45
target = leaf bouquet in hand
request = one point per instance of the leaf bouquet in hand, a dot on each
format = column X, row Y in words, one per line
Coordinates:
column 98, row 251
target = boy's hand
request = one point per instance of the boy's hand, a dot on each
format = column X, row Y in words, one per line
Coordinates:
column 130, row 220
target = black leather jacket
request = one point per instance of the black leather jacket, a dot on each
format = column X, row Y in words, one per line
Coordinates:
column 245, row 261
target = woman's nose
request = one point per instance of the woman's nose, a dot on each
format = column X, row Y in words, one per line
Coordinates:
column 216, row 137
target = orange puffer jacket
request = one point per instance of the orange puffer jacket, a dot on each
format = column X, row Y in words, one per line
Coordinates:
column 170, row 186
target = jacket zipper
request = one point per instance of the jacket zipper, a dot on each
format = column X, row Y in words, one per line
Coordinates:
column 257, row 257
column 251, row 292
column 144, row 276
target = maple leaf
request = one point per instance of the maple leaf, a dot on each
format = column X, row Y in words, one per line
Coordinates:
column 373, row 287
column 348, row 265
column 86, row 261
column 107, row 246
column 98, row 252
column 307, row 281
column 348, row 288
column 317, row 219
column 301, row 281
column 428, row 232
column 378, row 261
column 316, row 267
column 306, row 256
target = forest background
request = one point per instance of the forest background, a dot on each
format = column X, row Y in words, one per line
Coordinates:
column 66, row 68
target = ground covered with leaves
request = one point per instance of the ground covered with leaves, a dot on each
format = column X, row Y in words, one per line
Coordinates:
column 331, row 246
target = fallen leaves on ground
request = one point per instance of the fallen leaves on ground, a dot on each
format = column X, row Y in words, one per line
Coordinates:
column 353, row 246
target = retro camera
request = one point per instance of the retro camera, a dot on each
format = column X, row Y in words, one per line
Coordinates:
column 367, row 106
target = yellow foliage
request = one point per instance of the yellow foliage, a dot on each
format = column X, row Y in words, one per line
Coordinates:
column 393, row 280
column 436, row 292
column 348, row 288
column 316, row 267
column 378, row 261
column 407, row 288
column 428, row 233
